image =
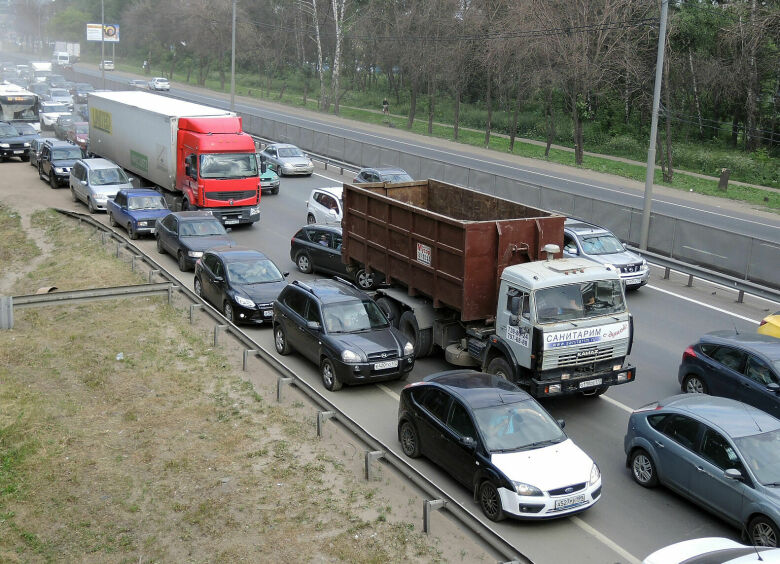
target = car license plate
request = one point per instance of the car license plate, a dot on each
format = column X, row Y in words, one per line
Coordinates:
column 569, row 501
column 18, row 152
column 268, row 313
column 231, row 221
column 590, row 383
column 632, row 281
column 386, row 364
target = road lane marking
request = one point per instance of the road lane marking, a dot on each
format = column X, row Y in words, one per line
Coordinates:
column 389, row 392
column 704, row 252
column 605, row 540
column 697, row 302
column 617, row 404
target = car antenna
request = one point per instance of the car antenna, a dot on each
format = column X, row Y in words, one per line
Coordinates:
column 736, row 331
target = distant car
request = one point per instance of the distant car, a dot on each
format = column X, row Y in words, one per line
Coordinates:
column 53, row 80
column 325, row 206
column 12, row 143
column 35, row 149
column 581, row 239
column 770, row 325
column 712, row 550
column 55, row 161
column 241, row 283
column 95, row 181
column 318, row 248
column 137, row 84
column 60, row 95
column 186, row 235
column 382, row 174
column 719, row 453
column 160, row 84
column 61, row 126
column 342, row 330
column 27, row 134
column 500, row 443
column 80, row 91
column 741, row 366
column 137, row 210
column 287, row 159
column 106, row 65
column 78, row 134
column 269, row 180
column 50, row 111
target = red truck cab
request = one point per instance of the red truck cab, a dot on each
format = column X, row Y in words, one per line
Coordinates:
column 216, row 169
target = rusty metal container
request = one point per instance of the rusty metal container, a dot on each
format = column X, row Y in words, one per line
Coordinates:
column 442, row 241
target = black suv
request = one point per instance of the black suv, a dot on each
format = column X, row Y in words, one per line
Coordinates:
column 13, row 143
column 340, row 328
column 56, row 160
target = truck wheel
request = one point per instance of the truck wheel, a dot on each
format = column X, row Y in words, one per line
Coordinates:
column 131, row 232
column 422, row 339
column 391, row 310
column 185, row 205
column 500, row 367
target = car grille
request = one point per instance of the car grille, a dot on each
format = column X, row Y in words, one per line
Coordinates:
column 628, row 268
column 301, row 166
column 225, row 196
column 17, row 146
column 380, row 356
column 566, row 490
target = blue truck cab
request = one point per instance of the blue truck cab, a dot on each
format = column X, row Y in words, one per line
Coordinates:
column 136, row 210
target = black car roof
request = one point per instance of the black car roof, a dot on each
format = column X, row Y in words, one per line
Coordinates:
column 764, row 345
column 193, row 215
column 53, row 142
column 735, row 418
column 478, row 389
column 233, row 254
column 323, row 227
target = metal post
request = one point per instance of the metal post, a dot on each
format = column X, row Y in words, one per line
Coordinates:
column 233, row 63
column 193, row 307
column 323, row 416
column 118, row 249
column 247, row 352
column 6, row 312
column 370, row 457
column 102, row 43
column 216, row 333
column 428, row 506
column 279, row 383
column 650, row 175
column 152, row 273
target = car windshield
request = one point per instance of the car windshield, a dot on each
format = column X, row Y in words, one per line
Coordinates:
column 25, row 129
column 253, row 272
column 82, row 128
column 54, row 108
column 64, row 153
column 59, row 92
column 106, row 176
column 517, row 426
column 602, row 245
column 353, row 317
column 290, row 152
column 762, row 455
column 395, row 177
column 7, row 130
column 579, row 301
column 203, row 228
column 146, row 203
column 228, row 165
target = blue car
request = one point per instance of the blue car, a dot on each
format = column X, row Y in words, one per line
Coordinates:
column 136, row 210
column 721, row 454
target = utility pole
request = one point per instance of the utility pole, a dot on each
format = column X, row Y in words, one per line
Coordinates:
column 102, row 44
column 654, row 128
column 233, row 63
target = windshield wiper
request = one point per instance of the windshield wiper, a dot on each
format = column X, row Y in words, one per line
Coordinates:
column 773, row 484
column 541, row 443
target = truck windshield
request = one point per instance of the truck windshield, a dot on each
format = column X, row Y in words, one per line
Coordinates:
column 579, row 301
column 228, row 165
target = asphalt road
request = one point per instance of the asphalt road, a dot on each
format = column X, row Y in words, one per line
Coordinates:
column 629, row 522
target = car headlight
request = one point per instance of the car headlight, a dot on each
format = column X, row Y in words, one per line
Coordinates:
column 195, row 254
column 595, row 474
column 526, row 489
column 26, row 144
column 59, row 170
column 5, row 145
column 350, row 356
column 644, row 263
column 242, row 301
column 311, row 163
column 408, row 349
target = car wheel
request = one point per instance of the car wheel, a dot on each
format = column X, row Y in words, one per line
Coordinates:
column 227, row 309
column 198, row 287
column 490, row 502
column 643, row 469
column 329, row 378
column 391, row 310
column 275, row 190
column 280, row 341
column 500, row 367
column 40, row 172
column 422, row 339
column 131, row 232
column 310, row 219
column 111, row 220
column 693, row 384
column 365, row 280
column 762, row 532
column 76, row 198
column 53, row 180
column 26, row 159
column 91, row 206
column 410, row 443
column 160, row 248
column 304, row 263
column 182, row 261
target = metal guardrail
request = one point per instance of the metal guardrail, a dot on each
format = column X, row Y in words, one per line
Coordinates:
column 286, row 374
column 145, row 290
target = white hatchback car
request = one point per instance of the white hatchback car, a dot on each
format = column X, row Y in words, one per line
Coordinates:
column 325, row 206
column 159, row 83
column 713, row 549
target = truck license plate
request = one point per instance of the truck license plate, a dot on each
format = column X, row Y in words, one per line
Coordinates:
column 385, row 365
column 590, row 383
column 569, row 501
column 231, row 221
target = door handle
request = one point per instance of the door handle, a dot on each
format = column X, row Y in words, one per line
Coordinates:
column 659, row 444
column 702, row 471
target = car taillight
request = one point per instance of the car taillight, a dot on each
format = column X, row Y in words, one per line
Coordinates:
column 763, row 322
column 688, row 354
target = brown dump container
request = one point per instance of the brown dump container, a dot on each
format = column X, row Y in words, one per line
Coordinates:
column 442, row 241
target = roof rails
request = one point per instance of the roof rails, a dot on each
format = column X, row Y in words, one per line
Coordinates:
column 303, row 286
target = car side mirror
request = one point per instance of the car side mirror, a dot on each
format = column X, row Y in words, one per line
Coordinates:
column 334, row 213
column 314, row 325
column 733, row 474
column 625, row 246
column 561, row 423
column 263, row 165
column 187, row 170
column 469, row 442
column 285, row 274
column 218, row 280
column 130, row 178
column 773, row 387
column 83, row 182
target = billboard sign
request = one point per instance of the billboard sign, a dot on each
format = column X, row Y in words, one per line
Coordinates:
column 110, row 33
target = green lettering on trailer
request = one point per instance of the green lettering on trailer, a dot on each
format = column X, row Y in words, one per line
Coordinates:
column 139, row 161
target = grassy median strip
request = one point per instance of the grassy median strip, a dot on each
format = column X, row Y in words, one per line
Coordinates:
column 124, row 437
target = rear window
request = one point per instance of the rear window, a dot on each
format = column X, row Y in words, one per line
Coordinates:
column 708, row 348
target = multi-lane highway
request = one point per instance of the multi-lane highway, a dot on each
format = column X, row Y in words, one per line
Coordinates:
column 629, row 522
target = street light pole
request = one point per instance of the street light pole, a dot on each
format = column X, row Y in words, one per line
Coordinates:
column 102, row 44
column 650, row 175
column 233, row 63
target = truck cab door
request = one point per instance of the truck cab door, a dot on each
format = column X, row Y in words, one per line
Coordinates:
column 513, row 321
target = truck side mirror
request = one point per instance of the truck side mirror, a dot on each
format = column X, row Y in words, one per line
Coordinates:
column 263, row 166
column 187, row 170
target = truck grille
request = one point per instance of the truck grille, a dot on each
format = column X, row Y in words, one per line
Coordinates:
column 237, row 195
column 564, row 358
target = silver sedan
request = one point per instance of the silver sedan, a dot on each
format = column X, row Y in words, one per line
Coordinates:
column 285, row 159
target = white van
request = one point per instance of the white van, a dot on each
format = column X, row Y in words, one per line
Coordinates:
column 61, row 58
